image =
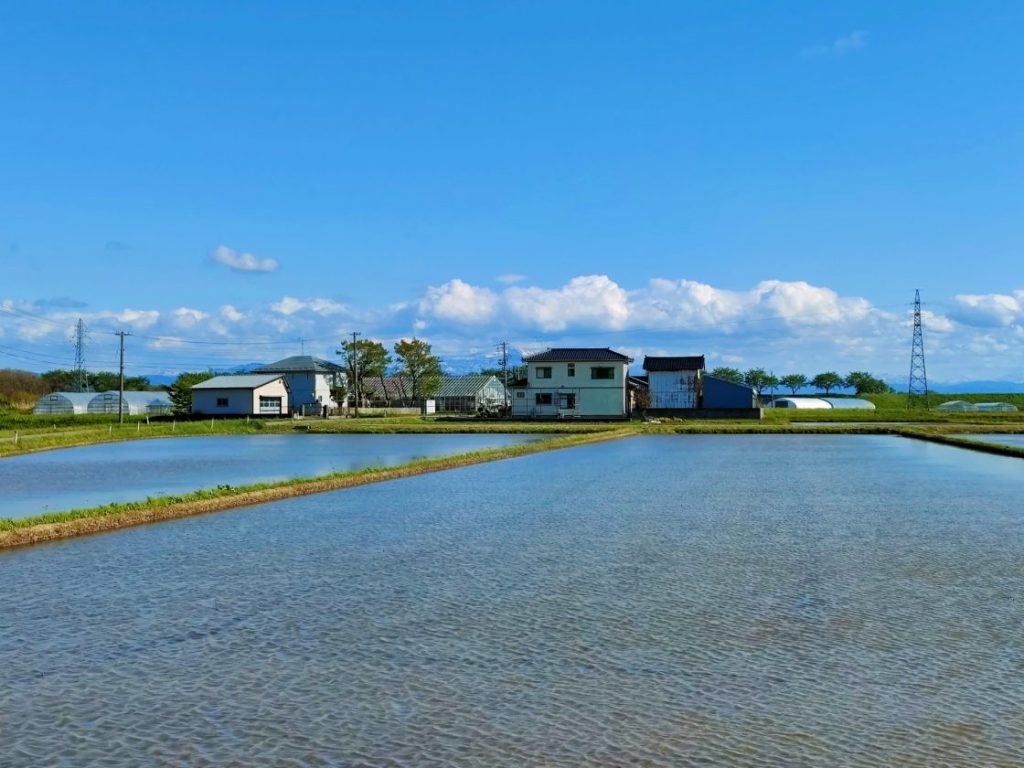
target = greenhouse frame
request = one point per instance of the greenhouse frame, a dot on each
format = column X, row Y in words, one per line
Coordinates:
column 135, row 403
column 75, row 403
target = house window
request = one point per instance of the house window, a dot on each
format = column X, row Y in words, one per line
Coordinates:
column 602, row 372
column 222, row 402
column 544, row 372
column 543, row 398
column 520, row 394
column 572, row 370
column 567, row 401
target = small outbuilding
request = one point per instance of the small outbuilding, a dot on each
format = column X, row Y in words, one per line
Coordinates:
column 469, row 394
column 75, row 403
column 722, row 394
column 674, row 382
column 242, row 395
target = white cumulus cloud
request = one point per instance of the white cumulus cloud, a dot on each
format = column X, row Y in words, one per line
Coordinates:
column 186, row 317
column 460, row 302
column 242, row 262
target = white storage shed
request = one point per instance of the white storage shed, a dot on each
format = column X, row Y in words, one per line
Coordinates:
column 242, row 395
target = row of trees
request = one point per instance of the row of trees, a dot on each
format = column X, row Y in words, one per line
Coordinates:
column 366, row 360
column 759, row 379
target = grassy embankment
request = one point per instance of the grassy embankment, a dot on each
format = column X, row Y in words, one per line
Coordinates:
column 25, row 433
column 78, row 522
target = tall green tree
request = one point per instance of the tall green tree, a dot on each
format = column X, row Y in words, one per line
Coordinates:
column 827, row 381
column 759, row 379
column 181, row 390
column 793, row 382
column 370, row 358
column 866, row 384
column 419, row 366
column 735, row 375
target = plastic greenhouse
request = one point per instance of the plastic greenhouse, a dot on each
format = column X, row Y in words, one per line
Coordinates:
column 135, row 403
column 64, row 402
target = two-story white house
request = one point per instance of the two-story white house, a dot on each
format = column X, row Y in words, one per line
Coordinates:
column 311, row 381
column 587, row 383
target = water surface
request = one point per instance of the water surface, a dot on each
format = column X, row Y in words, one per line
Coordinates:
column 128, row 471
column 1015, row 440
column 698, row 600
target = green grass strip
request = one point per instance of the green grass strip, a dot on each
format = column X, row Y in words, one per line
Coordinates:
column 16, row 532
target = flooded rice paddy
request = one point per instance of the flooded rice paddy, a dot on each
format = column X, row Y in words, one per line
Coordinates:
column 71, row 478
column 711, row 600
column 1014, row 440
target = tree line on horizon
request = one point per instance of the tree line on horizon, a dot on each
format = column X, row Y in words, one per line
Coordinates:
column 758, row 379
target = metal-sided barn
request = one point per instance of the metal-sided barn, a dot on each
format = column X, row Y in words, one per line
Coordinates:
column 242, row 395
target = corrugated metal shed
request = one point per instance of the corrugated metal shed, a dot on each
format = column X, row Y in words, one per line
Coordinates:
column 726, row 395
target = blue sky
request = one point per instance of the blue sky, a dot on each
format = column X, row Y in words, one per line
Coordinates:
column 764, row 183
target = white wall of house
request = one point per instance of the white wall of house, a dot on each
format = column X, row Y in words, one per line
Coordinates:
column 310, row 388
column 271, row 399
column 570, row 390
column 673, row 389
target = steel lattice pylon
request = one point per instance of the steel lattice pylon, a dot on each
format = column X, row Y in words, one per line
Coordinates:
column 917, row 389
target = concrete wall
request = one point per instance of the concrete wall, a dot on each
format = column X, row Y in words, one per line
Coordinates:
column 241, row 402
column 594, row 398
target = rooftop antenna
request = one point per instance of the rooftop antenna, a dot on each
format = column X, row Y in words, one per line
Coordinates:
column 917, row 388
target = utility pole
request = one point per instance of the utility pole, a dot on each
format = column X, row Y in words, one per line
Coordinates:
column 120, row 388
column 917, row 388
column 503, row 346
column 355, row 367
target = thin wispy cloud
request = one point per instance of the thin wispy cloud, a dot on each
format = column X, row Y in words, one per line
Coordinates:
column 242, row 262
column 510, row 278
column 841, row 46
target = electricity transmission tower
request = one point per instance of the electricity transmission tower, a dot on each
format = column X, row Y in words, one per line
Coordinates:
column 917, row 388
column 81, row 383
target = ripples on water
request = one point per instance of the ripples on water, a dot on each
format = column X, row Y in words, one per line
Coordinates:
column 739, row 601
column 99, row 474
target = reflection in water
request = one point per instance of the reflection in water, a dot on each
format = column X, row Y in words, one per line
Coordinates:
column 738, row 601
column 99, row 474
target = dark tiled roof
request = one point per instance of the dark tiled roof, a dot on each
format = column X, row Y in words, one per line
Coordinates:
column 577, row 355
column 301, row 364
column 692, row 363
